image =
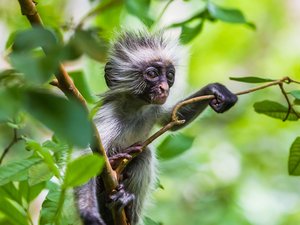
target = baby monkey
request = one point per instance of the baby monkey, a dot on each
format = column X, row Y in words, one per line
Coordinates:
column 139, row 73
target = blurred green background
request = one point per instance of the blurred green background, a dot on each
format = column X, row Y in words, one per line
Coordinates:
column 235, row 173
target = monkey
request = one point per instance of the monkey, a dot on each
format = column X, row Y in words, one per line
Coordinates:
column 139, row 73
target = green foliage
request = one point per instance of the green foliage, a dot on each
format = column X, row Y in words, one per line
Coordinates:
column 15, row 214
column 60, row 115
column 294, row 158
column 275, row 110
column 16, row 171
column 174, row 145
column 88, row 42
column 82, row 169
column 51, row 209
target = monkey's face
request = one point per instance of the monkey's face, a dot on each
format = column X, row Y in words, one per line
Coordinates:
column 159, row 77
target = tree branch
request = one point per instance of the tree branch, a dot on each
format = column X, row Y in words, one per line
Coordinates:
column 67, row 86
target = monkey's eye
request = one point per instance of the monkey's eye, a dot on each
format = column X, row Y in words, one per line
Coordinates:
column 152, row 74
column 170, row 77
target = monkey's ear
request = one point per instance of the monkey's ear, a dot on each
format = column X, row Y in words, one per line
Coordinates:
column 107, row 74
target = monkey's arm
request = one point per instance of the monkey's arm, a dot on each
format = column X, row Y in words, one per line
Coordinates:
column 223, row 101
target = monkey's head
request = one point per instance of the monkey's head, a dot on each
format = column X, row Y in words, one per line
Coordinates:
column 142, row 65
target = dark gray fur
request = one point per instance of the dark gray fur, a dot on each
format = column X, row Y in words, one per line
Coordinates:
column 125, row 119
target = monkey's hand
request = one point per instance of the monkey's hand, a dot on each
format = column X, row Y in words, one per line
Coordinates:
column 224, row 99
column 127, row 153
column 120, row 198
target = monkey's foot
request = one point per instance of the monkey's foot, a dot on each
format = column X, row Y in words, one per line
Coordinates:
column 127, row 153
column 120, row 198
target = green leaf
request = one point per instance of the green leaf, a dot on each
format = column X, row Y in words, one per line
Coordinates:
column 149, row 221
column 10, row 39
column 15, row 214
column 274, row 109
column 174, row 145
column 31, row 61
column 89, row 42
column 82, row 85
column 51, row 212
column 295, row 94
column 10, row 101
column 37, row 69
column 10, row 191
column 294, row 158
column 16, row 171
column 39, row 173
column 68, row 119
column 296, row 102
column 227, row 15
column 189, row 33
column 33, row 38
column 251, row 79
column 80, row 170
column 44, row 153
column 35, row 190
column 140, row 9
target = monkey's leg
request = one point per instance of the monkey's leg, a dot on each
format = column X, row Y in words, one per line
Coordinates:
column 140, row 173
column 87, row 204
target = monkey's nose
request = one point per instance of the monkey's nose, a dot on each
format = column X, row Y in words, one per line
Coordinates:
column 164, row 87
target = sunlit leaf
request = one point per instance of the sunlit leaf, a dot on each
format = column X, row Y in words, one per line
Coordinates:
column 82, row 85
column 15, row 214
column 296, row 94
column 174, row 145
column 80, row 170
column 16, row 171
column 251, row 79
column 39, row 173
column 68, row 119
column 294, row 158
column 227, row 15
column 274, row 109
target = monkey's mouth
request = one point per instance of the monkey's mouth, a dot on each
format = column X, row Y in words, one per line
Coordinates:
column 159, row 99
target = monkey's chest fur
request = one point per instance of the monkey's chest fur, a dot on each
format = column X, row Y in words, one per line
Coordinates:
column 121, row 127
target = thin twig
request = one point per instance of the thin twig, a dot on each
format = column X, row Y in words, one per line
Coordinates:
column 290, row 106
column 14, row 140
